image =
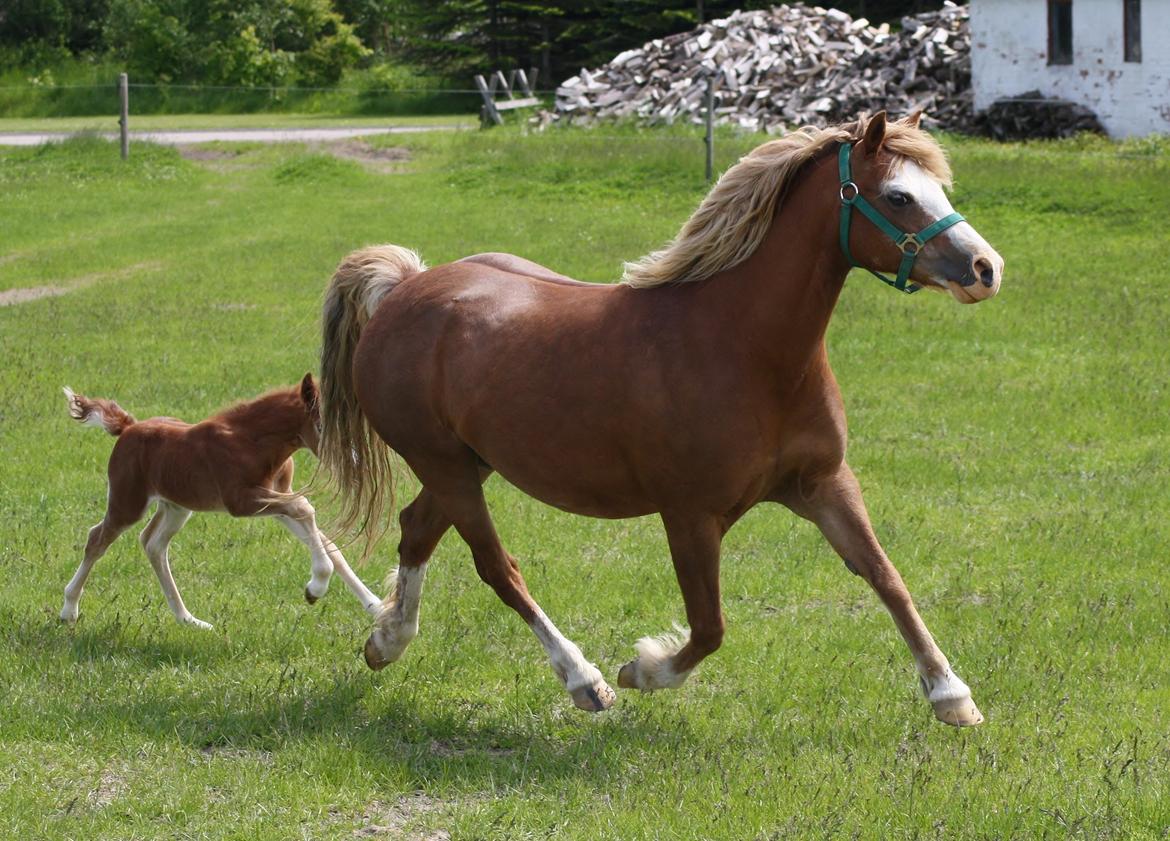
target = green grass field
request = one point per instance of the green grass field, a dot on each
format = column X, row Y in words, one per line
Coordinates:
column 1013, row 456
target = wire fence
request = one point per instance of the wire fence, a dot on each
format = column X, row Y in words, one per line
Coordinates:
column 34, row 99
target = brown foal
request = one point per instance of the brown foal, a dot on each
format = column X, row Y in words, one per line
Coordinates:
column 238, row 461
column 695, row 389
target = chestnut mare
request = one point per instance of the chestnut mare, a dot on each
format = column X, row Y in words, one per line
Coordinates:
column 238, row 461
column 695, row 389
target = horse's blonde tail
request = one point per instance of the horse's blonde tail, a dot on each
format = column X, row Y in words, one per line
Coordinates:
column 353, row 455
column 93, row 411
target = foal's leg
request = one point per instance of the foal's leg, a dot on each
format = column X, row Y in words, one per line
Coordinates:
column 838, row 510
column 369, row 601
column 156, row 541
column 666, row 661
column 298, row 517
column 422, row 524
column 99, row 540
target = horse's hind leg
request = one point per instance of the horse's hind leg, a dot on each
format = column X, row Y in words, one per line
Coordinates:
column 156, row 540
column 666, row 661
column 422, row 525
column 457, row 490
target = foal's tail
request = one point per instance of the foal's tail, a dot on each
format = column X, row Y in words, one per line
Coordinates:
column 351, row 452
column 97, row 412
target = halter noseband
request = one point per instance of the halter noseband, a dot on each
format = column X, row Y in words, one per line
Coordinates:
column 910, row 245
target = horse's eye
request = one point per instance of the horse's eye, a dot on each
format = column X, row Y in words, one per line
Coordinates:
column 899, row 199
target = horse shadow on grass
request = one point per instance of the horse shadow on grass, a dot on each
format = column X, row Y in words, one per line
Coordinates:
column 405, row 720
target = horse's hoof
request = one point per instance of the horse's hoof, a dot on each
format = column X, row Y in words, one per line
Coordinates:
column 958, row 712
column 373, row 658
column 309, row 597
column 593, row 699
column 628, row 675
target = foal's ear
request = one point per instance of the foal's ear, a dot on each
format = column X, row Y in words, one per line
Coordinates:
column 875, row 133
column 309, row 390
column 913, row 118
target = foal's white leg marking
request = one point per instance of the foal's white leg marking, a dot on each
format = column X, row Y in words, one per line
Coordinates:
column 369, row 601
column 569, row 664
column 652, row 668
column 76, row 585
column 397, row 621
column 303, row 526
column 174, row 518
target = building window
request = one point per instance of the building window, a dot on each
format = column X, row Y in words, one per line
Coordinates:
column 1133, row 30
column 1060, row 49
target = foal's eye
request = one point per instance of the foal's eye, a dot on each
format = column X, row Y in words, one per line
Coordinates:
column 899, row 199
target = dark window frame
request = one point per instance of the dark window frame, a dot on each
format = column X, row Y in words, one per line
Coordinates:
column 1132, row 25
column 1060, row 35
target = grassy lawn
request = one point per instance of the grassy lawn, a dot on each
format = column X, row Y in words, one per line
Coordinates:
column 178, row 122
column 1013, row 456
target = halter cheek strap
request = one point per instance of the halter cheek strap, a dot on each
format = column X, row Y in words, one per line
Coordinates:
column 909, row 244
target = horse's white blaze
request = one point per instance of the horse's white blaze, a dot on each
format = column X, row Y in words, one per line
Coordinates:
column 570, row 665
column 913, row 180
column 397, row 622
column 654, row 660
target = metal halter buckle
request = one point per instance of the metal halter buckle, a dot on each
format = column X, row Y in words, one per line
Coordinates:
column 849, row 199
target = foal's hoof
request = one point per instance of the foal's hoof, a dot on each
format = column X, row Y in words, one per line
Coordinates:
column 959, row 712
column 309, row 597
column 373, row 659
column 593, row 699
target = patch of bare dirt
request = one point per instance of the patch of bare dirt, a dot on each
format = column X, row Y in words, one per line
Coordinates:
column 446, row 749
column 24, row 294
column 9, row 297
column 201, row 152
column 397, row 820
column 111, row 785
column 378, row 158
column 263, row 757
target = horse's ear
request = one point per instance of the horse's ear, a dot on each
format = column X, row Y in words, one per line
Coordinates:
column 913, row 118
column 875, row 133
column 309, row 390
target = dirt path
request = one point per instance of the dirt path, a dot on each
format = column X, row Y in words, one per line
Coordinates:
column 241, row 135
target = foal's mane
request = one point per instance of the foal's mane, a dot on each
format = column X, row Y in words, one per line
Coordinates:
column 732, row 220
column 279, row 404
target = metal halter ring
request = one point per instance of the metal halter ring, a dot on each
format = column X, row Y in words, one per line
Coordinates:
column 852, row 198
column 911, row 244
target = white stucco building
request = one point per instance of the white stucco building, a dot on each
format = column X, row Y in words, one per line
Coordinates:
column 1112, row 56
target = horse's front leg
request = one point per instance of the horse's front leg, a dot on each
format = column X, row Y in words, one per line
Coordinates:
column 666, row 661
column 836, row 507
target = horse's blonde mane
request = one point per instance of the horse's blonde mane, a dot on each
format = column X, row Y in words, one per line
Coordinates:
column 732, row 220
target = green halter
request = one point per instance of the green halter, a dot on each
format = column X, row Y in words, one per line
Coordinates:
column 909, row 244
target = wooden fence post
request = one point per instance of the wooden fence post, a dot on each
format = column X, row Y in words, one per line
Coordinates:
column 710, row 139
column 124, row 119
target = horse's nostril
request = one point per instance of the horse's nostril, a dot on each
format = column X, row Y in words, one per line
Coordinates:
column 985, row 271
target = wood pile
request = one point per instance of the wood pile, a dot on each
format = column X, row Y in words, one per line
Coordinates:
column 789, row 66
column 1034, row 115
